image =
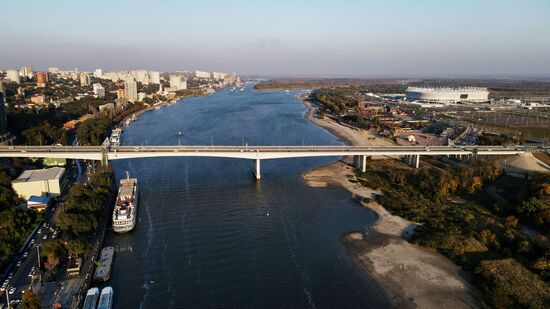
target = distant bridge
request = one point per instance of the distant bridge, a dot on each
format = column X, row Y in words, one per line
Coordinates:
column 257, row 153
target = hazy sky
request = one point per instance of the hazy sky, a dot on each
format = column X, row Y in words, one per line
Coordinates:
column 336, row 37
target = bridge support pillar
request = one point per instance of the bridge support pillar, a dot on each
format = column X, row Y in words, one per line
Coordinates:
column 415, row 161
column 360, row 162
column 363, row 160
column 412, row 160
column 104, row 158
column 256, row 169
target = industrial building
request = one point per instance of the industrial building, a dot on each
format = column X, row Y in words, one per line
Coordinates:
column 47, row 182
column 448, row 95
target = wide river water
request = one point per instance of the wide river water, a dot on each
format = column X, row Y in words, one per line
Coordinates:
column 210, row 236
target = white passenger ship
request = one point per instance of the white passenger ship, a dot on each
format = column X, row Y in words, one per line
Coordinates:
column 106, row 298
column 125, row 212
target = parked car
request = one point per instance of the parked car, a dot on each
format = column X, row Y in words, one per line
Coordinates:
column 25, row 254
column 18, row 263
column 12, row 290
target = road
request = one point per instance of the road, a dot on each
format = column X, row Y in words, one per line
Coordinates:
column 20, row 278
column 249, row 152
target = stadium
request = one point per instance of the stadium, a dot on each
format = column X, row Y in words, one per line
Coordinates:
column 448, row 95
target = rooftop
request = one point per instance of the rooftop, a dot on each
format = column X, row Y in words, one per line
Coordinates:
column 40, row 175
column 445, row 89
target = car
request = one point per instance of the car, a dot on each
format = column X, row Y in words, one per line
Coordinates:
column 39, row 231
column 12, row 290
column 25, row 254
column 15, row 302
column 18, row 263
column 32, row 242
column 45, row 237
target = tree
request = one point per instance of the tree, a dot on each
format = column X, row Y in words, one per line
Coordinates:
column 52, row 251
column 511, row 222
column 30, row 301
column 78, row 248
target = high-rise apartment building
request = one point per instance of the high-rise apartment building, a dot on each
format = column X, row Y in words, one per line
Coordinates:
column 98, row 73
column 218, row 75
column 84, row 79
column 179, row 82
column 42, row 79
column 99, row 90
column 13, row 75
column 130, row 90
column 154, row 77
column 26, row 72
column 202, row 74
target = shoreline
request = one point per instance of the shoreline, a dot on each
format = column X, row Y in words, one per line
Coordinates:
column 122, row 123
column 411, row 276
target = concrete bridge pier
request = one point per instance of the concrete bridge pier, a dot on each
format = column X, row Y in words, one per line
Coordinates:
column 104, row 158
column 412, row 160
column 361, row 163
column 256, row 169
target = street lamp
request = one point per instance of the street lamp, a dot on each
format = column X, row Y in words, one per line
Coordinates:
column 8, row 298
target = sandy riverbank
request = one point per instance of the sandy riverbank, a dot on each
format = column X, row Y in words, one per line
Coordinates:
column 410, row 275
column 354, row 136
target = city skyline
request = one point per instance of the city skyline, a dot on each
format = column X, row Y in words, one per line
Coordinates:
column 308, row 38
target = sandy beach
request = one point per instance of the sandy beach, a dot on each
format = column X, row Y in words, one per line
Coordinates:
column 412, row 277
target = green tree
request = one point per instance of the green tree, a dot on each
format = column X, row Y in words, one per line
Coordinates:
column 30, row 301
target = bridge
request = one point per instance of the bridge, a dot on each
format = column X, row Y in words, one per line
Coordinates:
column 105, row 154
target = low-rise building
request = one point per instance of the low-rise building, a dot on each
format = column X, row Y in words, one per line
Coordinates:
column 38, row 99
column 49, row 182
column 38, row 202
column 106, row 107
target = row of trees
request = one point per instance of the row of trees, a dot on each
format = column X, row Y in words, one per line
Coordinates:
column 93, row 132
column 473, row 231
column 337, row 100
column 15, row 224
column 78, row 219
column 81, row 211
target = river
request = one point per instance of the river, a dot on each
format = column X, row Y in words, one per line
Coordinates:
column 210, row 236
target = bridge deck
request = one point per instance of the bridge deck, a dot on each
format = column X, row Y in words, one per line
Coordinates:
column 249, row 152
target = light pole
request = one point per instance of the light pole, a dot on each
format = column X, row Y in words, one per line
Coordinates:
column 8, row 299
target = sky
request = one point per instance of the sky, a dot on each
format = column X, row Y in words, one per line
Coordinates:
column 282, row 37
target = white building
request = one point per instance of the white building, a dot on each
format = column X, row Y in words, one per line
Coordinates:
column 26, row 72
column 179, row 82
column 448, row 95
column 13, row 75
column 98, row 73
column 99, row 90
column 84, row 79
column 142, row 76
column 53, row 70
column 130, row 90
column 154, row 77
column 141, row 96
column 49, row 182
column 202, row 74
column 218, row 75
